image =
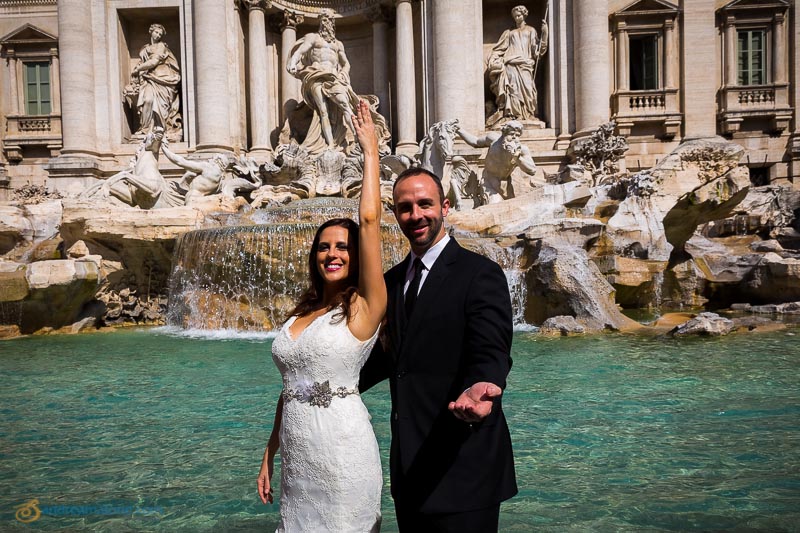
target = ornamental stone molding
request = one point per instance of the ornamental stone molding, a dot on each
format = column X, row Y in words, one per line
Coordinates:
column 315, row 7
column 26, row 3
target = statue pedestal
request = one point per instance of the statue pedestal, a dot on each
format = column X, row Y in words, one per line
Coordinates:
column 496, row 122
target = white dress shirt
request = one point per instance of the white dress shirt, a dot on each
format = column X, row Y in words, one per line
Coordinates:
column 428, row 259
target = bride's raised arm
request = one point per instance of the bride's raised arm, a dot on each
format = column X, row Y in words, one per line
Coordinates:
column 371, row 303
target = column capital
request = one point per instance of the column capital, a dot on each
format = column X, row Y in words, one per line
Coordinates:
column 398, row 2
column 287, row 19
column 622, row 26
column 54, row 52
column 378, row 14
column 259, row 5
column 669, row 24
column 780, row 17
column 730, row 20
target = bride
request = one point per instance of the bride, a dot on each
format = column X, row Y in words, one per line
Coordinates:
column 331, row 470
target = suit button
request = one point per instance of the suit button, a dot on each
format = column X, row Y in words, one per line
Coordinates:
column 395, row 416
column 401, row 374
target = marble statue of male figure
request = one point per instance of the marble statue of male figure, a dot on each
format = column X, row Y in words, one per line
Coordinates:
column 512, row 67
column 319, row 62
column 505, row 153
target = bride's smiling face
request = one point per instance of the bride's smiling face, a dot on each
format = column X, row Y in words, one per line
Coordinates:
column 333, row 255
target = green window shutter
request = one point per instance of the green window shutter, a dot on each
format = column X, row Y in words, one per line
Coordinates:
column 751, row 58
column 37, row 88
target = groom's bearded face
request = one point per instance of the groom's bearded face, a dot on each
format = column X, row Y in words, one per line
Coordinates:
column 420, row 211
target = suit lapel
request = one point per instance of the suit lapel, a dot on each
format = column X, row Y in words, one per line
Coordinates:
column 397, row 307
column 429, row 294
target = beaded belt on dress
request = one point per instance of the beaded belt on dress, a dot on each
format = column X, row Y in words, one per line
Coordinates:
column 317, row 394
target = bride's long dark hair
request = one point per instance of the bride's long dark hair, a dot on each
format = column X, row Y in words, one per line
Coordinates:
column 312, row 298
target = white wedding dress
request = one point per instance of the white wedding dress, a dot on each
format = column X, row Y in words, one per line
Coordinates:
column 330, row 466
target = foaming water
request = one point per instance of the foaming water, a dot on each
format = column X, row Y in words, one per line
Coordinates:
column 611, row 433
column 214, row 334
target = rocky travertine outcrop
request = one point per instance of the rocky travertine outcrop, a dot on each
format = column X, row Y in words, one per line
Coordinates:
column 57, row 291
column 563, row 281
column 707, row 324
column 139, row 242
column 790, row 308
column 561, row 326
column 23, row 226
column 763, row 212
column 698, row 182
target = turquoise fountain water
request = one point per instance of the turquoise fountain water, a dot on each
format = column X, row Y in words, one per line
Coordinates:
column 157, row 430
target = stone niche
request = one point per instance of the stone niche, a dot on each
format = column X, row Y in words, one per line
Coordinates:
column 134, row 25
column 497, row 19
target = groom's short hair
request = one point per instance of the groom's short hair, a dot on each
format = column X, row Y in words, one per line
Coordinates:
column 416, row 171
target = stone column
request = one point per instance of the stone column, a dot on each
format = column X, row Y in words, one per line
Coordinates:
column 458, row 62
column 730, row 51
column 55, row 83
column 779, row 49
column 259, row 89
column 406, row 81
column 669, row 54
column 290, row 86
column 12, row 70
column 699, row 87
column 794, row 146
column 380, row 57
column 590, row 31
column 77, row 78
column 211, row 67
column 622, row 56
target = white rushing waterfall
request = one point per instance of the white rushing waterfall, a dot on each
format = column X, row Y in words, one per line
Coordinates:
column 248, row 277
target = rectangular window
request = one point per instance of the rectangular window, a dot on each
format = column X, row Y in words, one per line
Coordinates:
column 643, row 62
column 37, row 88
column 752, row 57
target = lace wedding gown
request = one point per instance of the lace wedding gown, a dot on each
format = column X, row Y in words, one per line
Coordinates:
column 330, row 467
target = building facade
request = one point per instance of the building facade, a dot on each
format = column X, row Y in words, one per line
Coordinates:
column 72, row 109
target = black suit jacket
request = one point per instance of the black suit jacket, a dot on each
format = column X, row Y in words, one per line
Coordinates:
column 459, row 334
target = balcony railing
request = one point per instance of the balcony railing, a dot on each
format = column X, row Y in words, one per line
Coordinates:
column 31, row 130
column 652, row 106
column 739, row 103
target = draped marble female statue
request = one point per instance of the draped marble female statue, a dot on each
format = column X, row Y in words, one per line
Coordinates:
column 512, row 68
column 319, row 62
column 154, row 87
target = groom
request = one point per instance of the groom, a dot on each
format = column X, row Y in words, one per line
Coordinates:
column 446, row 353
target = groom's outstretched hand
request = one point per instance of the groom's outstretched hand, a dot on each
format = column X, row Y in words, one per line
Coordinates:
column 475, row 403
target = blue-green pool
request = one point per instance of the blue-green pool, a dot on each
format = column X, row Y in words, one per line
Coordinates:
column 149, row 430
